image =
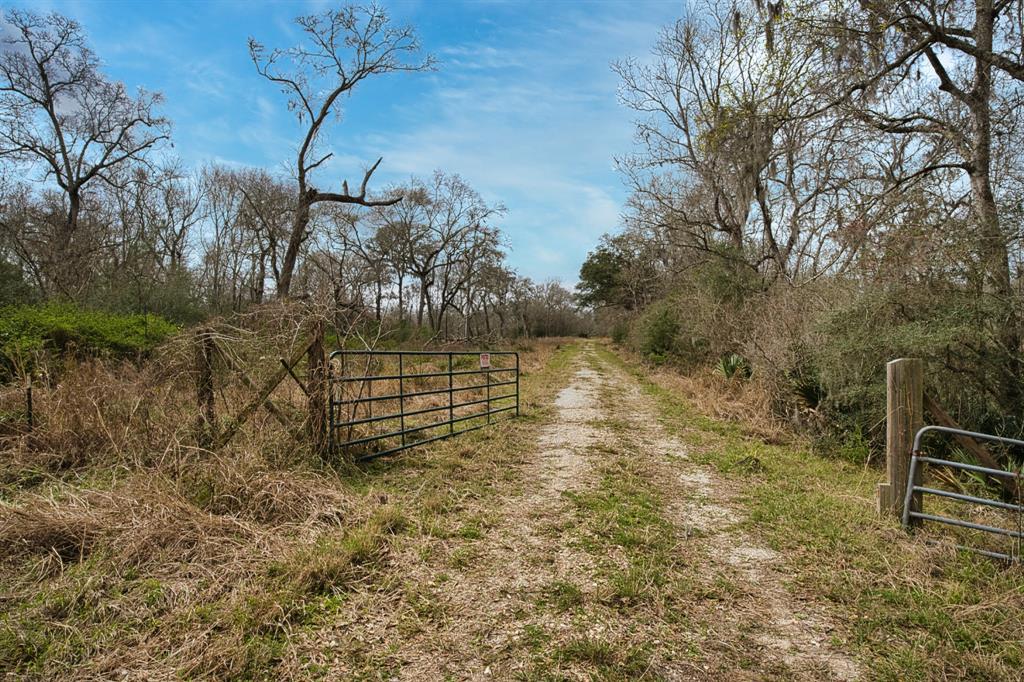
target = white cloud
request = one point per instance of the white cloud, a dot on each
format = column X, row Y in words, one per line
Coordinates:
column 534, row 125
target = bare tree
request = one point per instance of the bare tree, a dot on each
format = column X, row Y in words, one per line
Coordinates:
column 265, row 215
column 879, row 51
column 174, row 210
column 734, row 158
column 225, row 249
column 20, row 236
column 58, row 111
column 454, row 224
column 876, row 53
column 345, row 47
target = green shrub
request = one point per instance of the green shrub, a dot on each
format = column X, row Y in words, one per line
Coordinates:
column 847, row 443
column 661, row 335
column 26, row 332
column 954, row 331
column 659, row 331
column 620, row 332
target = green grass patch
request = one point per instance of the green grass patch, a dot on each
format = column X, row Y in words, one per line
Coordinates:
column 914, row 613
column 562, row 596
column 583, row 657
column 624, row 515
column 26, row 331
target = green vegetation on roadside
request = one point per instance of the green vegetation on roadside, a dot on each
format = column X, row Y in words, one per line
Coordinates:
column 620, row 523
column 27, row 331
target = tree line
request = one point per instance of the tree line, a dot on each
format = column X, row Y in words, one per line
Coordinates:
column 95, row 209
column 819, row 188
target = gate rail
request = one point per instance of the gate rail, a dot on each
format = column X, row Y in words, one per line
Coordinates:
column 344, row 411
column 919, row 491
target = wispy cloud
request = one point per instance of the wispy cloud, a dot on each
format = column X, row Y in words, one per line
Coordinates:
column 523, row 105
column 532, row 121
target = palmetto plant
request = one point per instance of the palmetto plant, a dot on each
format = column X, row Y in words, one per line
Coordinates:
column 734, row 365
column 809, row 393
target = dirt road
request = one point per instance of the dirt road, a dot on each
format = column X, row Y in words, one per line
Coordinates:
column 616, row 558
column 631, row 524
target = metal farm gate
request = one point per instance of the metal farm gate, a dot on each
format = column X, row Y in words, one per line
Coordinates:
column 382, row 402
column 1007, row 515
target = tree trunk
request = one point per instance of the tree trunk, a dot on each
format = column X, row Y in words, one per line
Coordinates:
column 992, row 243
column 74, row 210
column 435, row 320
column 419, row 307
column 304, row 202
column 378, row 303
column 261, row 279
column 401, row 298
column 66, row 270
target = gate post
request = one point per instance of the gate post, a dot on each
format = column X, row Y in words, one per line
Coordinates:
column 29, row 416
column 904, row 403
column 206, row 421
column 317, row 387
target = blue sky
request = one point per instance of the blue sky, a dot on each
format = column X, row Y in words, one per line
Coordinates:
column 523, row 104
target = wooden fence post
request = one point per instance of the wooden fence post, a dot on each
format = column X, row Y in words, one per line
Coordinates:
column 207, row 418
column 272, row 408
column 316, row 386
column 904, row 402
column 30, row 417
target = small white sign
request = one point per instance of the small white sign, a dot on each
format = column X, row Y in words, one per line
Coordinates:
column 485, row 361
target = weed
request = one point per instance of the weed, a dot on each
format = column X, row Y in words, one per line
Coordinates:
column 127, row 550
column 562, row 596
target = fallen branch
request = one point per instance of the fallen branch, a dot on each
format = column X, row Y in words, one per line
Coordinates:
column 272, row 408
column 979, row 451
column 261, row 397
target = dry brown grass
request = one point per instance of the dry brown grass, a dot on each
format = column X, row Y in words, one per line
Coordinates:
column 129, row 548
column 100, row 414
column 748, row 404
column 254, row 491
column 142, row 521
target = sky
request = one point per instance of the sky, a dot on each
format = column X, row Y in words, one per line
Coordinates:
column 523, row 103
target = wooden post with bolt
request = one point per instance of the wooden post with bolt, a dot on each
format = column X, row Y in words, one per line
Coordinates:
column 904, row 403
